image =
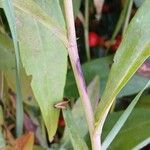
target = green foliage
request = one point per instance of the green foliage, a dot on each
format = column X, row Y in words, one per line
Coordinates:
column 74, row 131
column 97, row 67
column 7, row 65
column 49, row 66
column 38, row 32
column 7, row 54
column 32, row 9
column 90, row 70
column 76, row 6
column 142, row 144
column 9, row 11
column 121, row 19
column 78, row 112
column 38, row 41
column 114, row 131
column 134, row 131
column 133, row 51
column 2, row 140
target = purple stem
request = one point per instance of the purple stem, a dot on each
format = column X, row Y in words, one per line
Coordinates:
column 76, row 66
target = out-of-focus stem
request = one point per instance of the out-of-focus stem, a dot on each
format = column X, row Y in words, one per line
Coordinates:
column 1, row 85
column 81, row 17
column 119, row 23
column 86, row 30
column 98, row 6
column 128, row 16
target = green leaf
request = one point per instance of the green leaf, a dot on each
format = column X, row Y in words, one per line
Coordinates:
column 135, row 84
column 76, row 6
column 7, row 54
column 134, row 131
column 142, row 144
column 121, row 20
column 2, row 140
column 138, row 3
column 35, row 147
column 50, row 52
column 7, row 65
column 1, row 117
column 49, row 20
column 78, row 112
column 96, row 67
column 90, row 70
column 53, row 12
column 44, row 56
column 8, row 8
column 114, row 131
column 133, row 51
column 144, row 101
column 74, row 132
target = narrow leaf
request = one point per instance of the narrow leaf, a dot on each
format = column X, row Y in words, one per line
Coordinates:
column 142, row 144
column 138, row 123
column 112, row 134
column 75, row 136
column 1, row 117
column 7, row 6
column 121, row 19
column 2, row 140
column 133, row 51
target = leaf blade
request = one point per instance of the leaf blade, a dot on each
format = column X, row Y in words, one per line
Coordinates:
column 116, row 128
column 142, row 144
column 138, row 123
column 76, row 139
column 33, row 9
column 133, row 51
column 44, row 56
column 8, row 8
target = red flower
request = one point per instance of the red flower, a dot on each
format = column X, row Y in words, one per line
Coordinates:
column 93, row 39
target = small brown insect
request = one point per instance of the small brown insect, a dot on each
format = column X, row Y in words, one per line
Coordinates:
column 62, row 105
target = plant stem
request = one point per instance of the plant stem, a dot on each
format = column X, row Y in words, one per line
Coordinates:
column 119, row 23
column 75, row 62
column 1, row 85
column 86, row 30
column 98, row 6
column 128, row 16
column 81, row 17
column 19, row 97
column 9, row 11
